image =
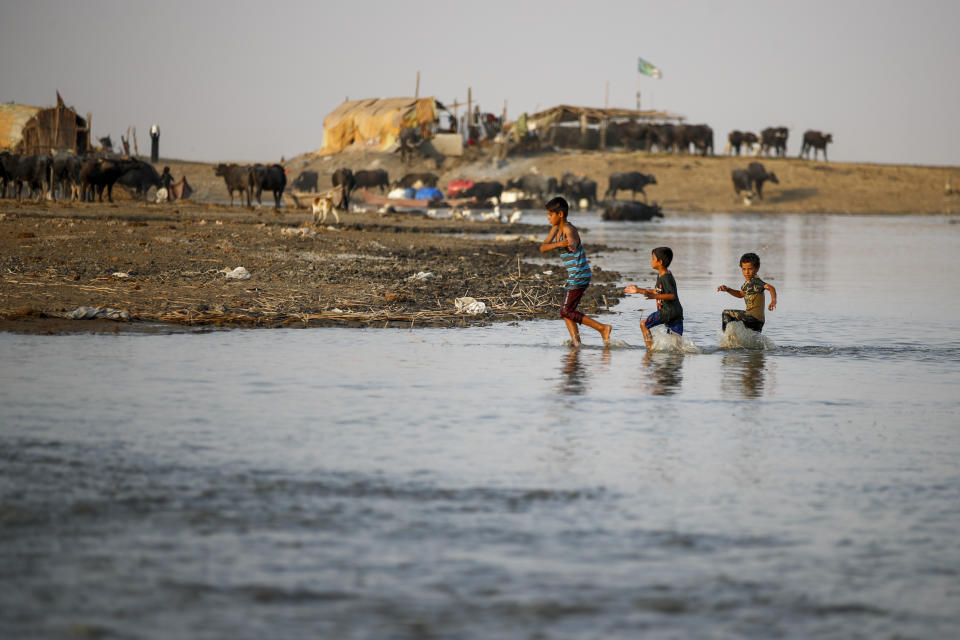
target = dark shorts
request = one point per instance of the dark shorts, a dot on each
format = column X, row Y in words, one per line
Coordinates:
column 738, row 315
column 568, row 308
column 654, row 319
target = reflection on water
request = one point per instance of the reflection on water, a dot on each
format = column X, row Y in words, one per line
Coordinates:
column 574, row 379
column 746, row 373
column 663, row 373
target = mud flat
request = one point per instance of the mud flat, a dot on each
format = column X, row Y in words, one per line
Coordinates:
column 167, row 267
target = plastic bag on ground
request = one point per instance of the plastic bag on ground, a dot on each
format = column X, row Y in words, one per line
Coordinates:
column 237, row 274
column 469, row 306
column 88, row 313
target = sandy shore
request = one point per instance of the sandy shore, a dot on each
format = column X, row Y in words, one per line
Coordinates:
column 165, row 266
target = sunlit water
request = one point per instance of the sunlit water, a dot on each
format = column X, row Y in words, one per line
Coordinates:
column 490, row 482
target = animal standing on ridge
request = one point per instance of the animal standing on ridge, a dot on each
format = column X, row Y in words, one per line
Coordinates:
column 814, row 140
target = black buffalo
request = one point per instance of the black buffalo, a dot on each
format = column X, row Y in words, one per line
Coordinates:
column 534, row 185
column 97, row 175
column 238, row 178
column 139, row 177
column 66, row 175
column 271, row 177
column 482, row 191
column 759, row 175
column 8, row 170
column 739, row 139
column 632, row 181
column 700, row 136
column 577, row 188
column 373, row 178
column 417, row 180
column 306, row 181
column 741, row 182
column 343, row 178
column 663, row 136
column 631, row 211
column 774, row 139
column 35, row 171
column 815, row 140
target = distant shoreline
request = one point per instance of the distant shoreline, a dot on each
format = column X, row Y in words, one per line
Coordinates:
column 685, row 183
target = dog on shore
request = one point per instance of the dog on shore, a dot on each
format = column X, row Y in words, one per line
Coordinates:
column 321, row 207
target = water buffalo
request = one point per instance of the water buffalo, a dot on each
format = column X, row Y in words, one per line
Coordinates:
column 97, row 175
column 739, row 139
column 417, row 180
column 8, row 169
column 577, row 188
column 482, row 191
column 66, row 175
column 759, row 175
column 774, row 139
column 344, row 179
column 632, row 180
column 631, row 211
column 36, row 171
column 139, row 177
column 534, row 185
column 698, row 135
column 306, row 181
column 742, row 185
column 373, row 178
column 663, row 136
column 237, row 178
column 270, row 177
column 815, row 140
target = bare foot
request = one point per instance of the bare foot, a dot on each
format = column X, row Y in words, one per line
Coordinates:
column 605, row 334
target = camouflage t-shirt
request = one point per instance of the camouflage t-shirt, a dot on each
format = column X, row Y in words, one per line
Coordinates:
column 753, row 297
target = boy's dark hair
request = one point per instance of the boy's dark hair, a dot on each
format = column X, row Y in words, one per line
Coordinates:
column 751, row 258
column 664, row 255
column 558, row 205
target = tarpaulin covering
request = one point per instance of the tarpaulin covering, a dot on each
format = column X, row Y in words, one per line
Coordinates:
column 374, row 123
column 13, row 117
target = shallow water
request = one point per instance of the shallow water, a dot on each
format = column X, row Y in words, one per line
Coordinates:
column 491, row 482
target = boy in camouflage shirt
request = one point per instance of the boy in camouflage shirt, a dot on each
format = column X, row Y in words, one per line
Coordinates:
column 753, row 293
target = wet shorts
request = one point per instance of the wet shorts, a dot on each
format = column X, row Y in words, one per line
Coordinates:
column 737, row 315
column 568, row 308
column 654, row 319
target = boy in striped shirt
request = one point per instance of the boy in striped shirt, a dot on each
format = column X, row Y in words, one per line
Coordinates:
column 564, row 236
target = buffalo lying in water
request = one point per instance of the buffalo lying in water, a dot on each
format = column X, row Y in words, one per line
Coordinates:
column 631, row 211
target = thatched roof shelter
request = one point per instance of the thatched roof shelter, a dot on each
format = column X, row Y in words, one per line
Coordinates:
column 375, row 122
column 31, row 130
column 592, row 123
column 13, row 117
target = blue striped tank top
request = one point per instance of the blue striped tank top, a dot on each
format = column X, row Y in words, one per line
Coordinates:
column 578, row 269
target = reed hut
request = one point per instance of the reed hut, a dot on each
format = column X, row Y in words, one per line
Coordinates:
column 376, row 123
column 31, row 130
column 587, row 127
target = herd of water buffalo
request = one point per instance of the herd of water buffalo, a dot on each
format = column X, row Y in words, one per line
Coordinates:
column 72, row 177
column 86, row 178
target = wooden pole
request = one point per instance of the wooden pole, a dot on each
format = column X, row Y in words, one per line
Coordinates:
column 469, row 110
column 416, row 92
column 603, row 120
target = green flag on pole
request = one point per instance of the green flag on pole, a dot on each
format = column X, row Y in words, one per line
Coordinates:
column 648, row 69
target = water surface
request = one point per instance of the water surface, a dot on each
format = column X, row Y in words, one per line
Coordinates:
column 492, row 482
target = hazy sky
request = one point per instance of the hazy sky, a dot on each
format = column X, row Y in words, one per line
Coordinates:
column 252, row 81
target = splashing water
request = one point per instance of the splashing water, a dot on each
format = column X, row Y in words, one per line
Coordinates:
column 664, row 342
column 737, row 336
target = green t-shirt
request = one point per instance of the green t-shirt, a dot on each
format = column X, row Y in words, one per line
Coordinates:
column 753, row 296
column 670, row 310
